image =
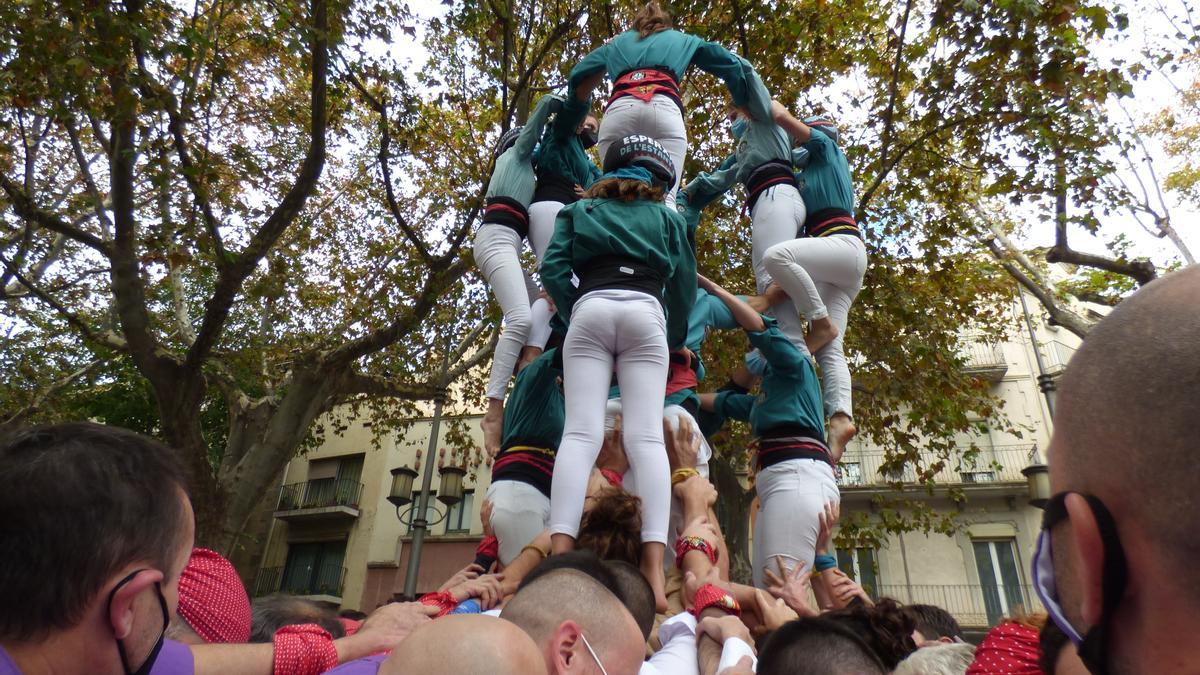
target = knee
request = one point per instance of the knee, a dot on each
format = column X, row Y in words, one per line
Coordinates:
column 519, row 320
column 776, row 257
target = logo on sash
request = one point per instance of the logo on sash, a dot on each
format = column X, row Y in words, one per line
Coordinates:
column 638, row 76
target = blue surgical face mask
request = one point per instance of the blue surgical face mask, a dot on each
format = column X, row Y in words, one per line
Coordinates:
column 738, row 127
column 755, row 362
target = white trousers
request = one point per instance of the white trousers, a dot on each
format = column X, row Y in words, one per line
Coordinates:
column 822, row 276
column 628, row 329
column 776, row 218
column 542, row 216
column 659, row 118
column 791, row 496
column 497, row 255
column 520, row 512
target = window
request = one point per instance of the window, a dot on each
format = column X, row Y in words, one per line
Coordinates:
column 458, row 521
column 849, row 473
column 999, row 578
column 978, row 476
column 314, row 569
column 333, row 482
column 859, row 564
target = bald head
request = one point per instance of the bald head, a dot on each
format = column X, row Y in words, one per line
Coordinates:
column 465, row 643
column 562, row 607
column 1125, row 427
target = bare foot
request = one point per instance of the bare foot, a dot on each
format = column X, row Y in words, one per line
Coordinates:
column 652, row 569
column 820, row 333
column 493, row 426
column 841, row 430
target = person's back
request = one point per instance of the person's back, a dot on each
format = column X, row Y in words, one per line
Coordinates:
column 939, row 658
column 97, row 528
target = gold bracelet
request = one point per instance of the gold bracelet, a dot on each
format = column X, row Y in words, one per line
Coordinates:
column 544, row 553
column 680, row 475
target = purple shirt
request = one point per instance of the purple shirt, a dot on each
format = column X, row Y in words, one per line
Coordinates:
column 174, row 659
column 365, row 666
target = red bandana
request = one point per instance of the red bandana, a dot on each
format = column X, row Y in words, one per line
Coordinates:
column 213, row 600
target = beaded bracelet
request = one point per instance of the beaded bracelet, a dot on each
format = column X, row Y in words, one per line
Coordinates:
column 685, row 544
column 715, row 596
column 680, row 475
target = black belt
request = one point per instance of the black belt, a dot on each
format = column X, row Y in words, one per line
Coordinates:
column 554, row 187
column 508, row 212
column 620, row 272
column 768, row 174
column 773, row 451
column 831, row 221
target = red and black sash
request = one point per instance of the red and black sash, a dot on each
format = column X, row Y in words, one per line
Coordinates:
column 644, row 83
column 507, row 212
column 831, row 221
column 767, row 175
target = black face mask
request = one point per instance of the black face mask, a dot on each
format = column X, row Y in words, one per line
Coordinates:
column 144, row 669
column 588, row 138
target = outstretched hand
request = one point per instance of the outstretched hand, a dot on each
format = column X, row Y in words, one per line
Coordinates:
column 793, row 587
column 827, row 519
column 464, row 575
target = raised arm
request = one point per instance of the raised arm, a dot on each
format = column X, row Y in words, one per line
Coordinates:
column 713, row 58
column 532, row 131
column 746, row 317
column 588, row 73
column 758, row 100
column 573, row 113
column 681, row 285
column 798, row 130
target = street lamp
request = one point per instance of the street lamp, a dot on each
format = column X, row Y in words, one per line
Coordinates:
column 1037, row 475
column 450, row 492
column 402, row 482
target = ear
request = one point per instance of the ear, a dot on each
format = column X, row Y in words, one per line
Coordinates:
column 1089, row 549
column 564, row 645
column 120, row 610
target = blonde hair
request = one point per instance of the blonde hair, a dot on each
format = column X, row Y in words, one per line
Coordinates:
column 651, row 19
column 625, row 189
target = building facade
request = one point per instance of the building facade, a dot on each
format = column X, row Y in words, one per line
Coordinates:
column 336, row 538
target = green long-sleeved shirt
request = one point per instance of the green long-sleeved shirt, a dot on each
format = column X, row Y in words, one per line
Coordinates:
column 827, row 181
column 764, row 140
column 671, row 49
column 704, row 189
column 562, row 152
column 642, row 230
column 535, row 412
column 513, row 176
column 790, row 392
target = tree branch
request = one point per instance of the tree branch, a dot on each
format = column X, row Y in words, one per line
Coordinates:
column 40, row 399
column 375, row 385
column 889, row 112
column 24, row 207
column 231, row 278
column 106, row 338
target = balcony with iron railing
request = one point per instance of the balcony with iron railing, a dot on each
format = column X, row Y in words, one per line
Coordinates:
column 973, row 605
column 983, row 359
column 991, row 466
column 322, row 581
column 323, row 499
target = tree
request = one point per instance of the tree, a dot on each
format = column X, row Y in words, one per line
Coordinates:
column 254, row 216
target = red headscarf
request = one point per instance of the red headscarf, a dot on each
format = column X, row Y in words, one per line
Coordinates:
column 1010, row 648
column 213, row 600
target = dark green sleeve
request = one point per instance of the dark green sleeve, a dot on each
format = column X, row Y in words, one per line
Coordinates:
column 758, row 98
column 713, row 58
column 818, row 145
column 681, row 285
column 532, row 130
column 777, row 349
column 556, row 265
column 734, row 405
column 573, row 113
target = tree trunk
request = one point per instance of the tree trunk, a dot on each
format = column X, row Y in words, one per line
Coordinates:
column 179, row 413
column 733, row 512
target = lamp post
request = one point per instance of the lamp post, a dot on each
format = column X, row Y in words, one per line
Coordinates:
column 1037, row 475
column 1045, row 382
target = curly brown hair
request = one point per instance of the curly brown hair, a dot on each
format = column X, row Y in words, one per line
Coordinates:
column 612, row 527
column 885, row 627
column 651, row 19
column 625, row 189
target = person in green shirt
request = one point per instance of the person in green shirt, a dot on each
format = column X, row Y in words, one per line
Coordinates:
column 497, row 252
column 646, row 64
column 637, row 282
column 794, row 468
column 823, row 271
